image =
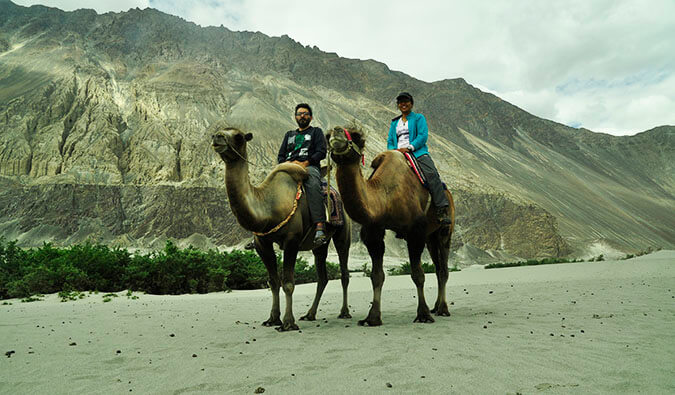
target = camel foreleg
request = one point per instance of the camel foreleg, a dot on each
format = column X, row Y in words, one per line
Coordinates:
column 415, row 249
column 439, row 249
column 266, row 253
column 373, row 238
column 288, row 285
column 342, row 241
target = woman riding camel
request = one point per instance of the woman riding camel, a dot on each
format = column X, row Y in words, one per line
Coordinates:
column 409, row 133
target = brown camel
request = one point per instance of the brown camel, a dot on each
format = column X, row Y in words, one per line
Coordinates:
column 392, row 198
column 263, row 208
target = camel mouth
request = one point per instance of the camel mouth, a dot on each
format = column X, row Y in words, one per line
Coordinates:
column 219, row 148
column 219, row 143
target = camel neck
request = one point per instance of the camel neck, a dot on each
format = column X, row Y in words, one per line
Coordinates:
column 245, row 203
column 361, row 205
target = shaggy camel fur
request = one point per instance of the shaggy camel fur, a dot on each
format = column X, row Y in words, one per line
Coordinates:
column 259, row 209
column 392, row 198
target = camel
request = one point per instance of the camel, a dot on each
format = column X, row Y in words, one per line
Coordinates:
column 264, row 208
column 391, row 198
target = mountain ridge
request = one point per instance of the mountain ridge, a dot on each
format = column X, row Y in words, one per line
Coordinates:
column 126, row 98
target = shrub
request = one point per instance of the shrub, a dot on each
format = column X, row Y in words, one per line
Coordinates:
column 96, row 267
column 305, row 273
column 407, row 269
column 175, row 271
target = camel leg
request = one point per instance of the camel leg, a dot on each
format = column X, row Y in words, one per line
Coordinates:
column 415, row 249
column 266, row 253
column 320, row 254
column 342, row 241
column 439, row 248
column 373, row 238
column 288, row 285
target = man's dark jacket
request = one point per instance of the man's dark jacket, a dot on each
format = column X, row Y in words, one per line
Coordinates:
column 312, row 147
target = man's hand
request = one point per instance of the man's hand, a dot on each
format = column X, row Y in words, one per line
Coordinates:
column 303, row 164
column 403, row 150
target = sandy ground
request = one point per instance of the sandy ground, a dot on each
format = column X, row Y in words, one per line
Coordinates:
column 600, row 327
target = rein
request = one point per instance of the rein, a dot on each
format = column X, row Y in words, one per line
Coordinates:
column 238, row 154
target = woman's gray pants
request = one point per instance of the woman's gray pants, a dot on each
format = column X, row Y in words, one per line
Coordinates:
column 436, row 189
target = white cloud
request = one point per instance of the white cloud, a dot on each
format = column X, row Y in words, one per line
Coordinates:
column 605, row 64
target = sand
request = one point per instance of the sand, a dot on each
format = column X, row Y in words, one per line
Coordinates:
column 597, row 327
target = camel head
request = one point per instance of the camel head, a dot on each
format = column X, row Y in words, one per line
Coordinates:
column 230, row 143
column 346, row 143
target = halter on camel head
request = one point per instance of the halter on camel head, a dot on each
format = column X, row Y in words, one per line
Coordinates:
column 351, row 149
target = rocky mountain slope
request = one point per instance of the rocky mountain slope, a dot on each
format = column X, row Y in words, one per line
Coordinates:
column 103, row 122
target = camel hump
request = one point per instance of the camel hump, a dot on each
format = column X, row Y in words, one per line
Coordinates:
column 297, row 172
column 386, row 156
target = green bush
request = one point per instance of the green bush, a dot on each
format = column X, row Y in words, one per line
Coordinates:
column 407, row 269
column 97, row 267
column 305, row 273
column 175, row 271
column 246, row 270
column 532, row 262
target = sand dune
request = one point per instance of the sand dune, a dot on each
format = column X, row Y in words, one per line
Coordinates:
column 598, row 327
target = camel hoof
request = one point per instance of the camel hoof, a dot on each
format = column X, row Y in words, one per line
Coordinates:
column 272, row 322
column 370, row 322
column 424, row 318
column 345, row 315
column 287, row 327
column 442, row 311
column 308, row 317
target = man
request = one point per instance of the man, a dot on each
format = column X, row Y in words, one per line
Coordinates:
column 408, row 133
column 306, row 146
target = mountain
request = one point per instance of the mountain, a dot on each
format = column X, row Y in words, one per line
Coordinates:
column 103, row 136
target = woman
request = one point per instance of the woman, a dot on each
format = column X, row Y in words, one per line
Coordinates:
column 408, row 133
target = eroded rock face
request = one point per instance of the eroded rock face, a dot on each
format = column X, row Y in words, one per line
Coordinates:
column 495, row 222
column 121, row 103
column 118, row 214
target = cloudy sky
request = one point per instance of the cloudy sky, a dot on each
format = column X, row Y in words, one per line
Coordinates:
column 606, row 65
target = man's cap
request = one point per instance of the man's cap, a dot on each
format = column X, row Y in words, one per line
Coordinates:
column 404, row 96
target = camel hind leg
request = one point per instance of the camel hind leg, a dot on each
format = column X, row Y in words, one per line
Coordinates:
column 415, row 241
column 342, row 240
column 320, row 254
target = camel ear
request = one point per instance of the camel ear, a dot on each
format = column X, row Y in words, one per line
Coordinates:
column 248, row 136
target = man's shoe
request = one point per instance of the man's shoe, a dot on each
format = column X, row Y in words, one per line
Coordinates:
column 443, row 217
column 320, row 238
column 250, row 245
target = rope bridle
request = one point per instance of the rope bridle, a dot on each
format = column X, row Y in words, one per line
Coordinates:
column 238, row 154
column 288, row 218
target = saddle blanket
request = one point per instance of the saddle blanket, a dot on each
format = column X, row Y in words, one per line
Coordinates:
column 412, row 162
column 336, row 216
